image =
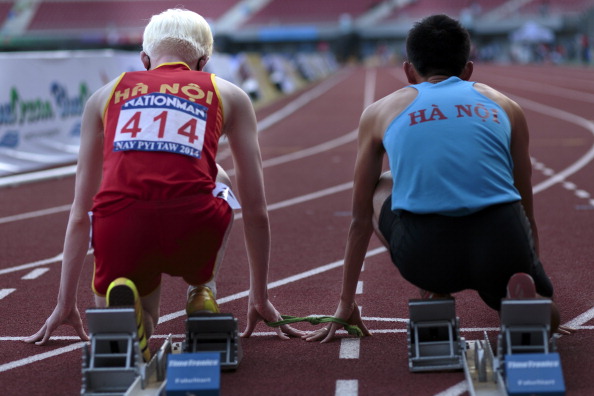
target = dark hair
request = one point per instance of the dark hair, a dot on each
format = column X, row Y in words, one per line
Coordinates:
column 438, row 44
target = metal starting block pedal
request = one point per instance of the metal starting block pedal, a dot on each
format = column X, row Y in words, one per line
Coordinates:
column 433, row 336
column 214, row 332
column 525, row 327
column 113, row 364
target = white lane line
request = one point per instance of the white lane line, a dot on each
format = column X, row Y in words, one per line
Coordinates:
column 376, row 319
column 458, row 389
column 165, row 318
column 5, row 292
column 41, row 356
column 302, row 100
column 307, row 197
column 281, row 282
column 359, row 289
column 349, row 348
column 272, row 333
column 36, row 213
column 36, row 273
column 271, row 207
column 347, row 388
column 581, row 319
column 36, row 176
column 34, row 264
column 550, row 111
column 582, row 194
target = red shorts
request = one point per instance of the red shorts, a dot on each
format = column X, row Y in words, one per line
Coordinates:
column 179, row 237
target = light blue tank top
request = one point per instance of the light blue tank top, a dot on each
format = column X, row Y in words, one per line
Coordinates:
column 449, row 151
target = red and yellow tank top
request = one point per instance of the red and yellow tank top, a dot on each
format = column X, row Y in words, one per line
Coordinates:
column 162, row 129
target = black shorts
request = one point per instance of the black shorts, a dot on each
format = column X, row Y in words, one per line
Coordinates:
column 480, row 251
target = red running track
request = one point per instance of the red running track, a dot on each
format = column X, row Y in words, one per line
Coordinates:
column 308, row 145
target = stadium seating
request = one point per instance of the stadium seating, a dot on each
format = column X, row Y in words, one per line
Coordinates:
column 309, row 11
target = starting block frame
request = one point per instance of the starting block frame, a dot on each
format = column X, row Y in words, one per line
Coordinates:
column 525, row 328
column 433, row 336
column 113, row 364
column 214, row 332
column 434, row 342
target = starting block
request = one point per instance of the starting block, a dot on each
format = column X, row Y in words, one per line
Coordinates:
column 526, row 361
column 433, row 336
column 113, row 363
column 216, row 332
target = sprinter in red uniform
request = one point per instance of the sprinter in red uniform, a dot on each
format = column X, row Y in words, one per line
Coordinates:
column 159, row 201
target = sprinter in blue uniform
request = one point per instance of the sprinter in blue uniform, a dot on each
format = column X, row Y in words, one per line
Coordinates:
column 455, row 209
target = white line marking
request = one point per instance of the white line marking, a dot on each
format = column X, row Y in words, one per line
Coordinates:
column 320, row 148
column 582, row 194
column 301, row 101
column 278, row 283
column 376, row 319
column 5, row 292
column 272, row 333
column 455, row 390
column 359, row 287
column 349, row 348
column 41, row 356
column 311, row 196
column 34, row 264
column 36, row 273
column 36, row 176
column 347, row 388
column 37, row 213
column 570, row 118
column 581, row 319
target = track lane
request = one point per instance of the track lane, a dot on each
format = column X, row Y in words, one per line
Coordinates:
column 320, row 225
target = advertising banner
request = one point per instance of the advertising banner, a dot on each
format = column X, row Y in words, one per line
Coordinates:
column 42, row 96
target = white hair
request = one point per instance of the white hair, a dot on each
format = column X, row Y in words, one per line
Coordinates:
column 180, row 32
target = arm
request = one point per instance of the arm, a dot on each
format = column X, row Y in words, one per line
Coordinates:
column 368, row 167
column 241, row 130
column 88, row 177
column 522, row 164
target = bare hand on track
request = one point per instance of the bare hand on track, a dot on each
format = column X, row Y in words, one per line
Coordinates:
column 349, row 313
column 267, row 313
column 57, row 318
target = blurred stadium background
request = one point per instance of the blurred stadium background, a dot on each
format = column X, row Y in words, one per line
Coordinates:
column 55, row 53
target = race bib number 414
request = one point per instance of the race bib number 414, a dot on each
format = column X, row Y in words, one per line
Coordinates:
column 161, row 122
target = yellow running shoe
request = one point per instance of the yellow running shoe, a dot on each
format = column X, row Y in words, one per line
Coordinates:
column 201, row 299
column 123, row 293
